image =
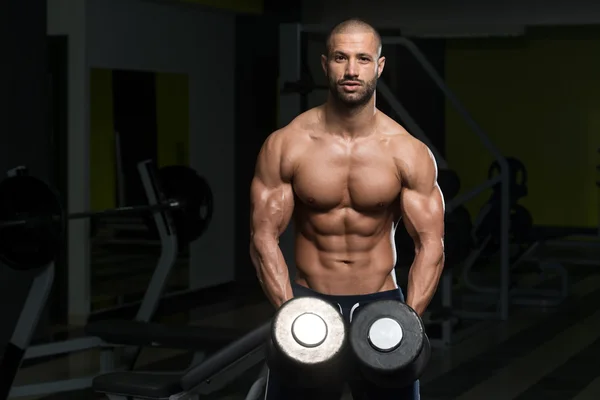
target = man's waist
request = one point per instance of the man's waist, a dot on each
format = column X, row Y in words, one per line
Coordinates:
column 300, row 289
column 348, row 303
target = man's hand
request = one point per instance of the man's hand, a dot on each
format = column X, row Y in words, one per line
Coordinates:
column 422, row 206
column 271, row 208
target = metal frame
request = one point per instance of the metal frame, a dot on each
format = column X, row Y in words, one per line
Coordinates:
column 384, row 90
column 23, row 331
column 167, row 259
column 525, row 292
column 228, row 375
column 216, row 382
column 289, row 107
column 570, row 242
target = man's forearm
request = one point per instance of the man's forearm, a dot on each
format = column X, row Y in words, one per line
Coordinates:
column 424, row 275
column 271, row 269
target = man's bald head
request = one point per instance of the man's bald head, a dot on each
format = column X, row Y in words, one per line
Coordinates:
column 353, row 63
column 353, row 25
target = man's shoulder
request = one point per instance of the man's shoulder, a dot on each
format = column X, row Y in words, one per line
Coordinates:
column 400, row 140
column 412, row 157
column 298, row 130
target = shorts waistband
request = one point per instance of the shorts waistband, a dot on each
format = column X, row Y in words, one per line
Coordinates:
column 349, row 300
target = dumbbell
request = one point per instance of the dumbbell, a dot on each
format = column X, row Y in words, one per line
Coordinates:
column 388, row 342
column 308, row 343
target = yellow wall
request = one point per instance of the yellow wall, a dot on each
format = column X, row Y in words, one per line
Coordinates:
column 172, row 114
column 172, row 102
column 537, row 99
column 172, row 121
column 102, row 141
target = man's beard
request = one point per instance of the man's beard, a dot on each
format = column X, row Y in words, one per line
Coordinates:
column 352, row 100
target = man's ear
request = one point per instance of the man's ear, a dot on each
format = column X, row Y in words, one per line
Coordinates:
column 324, row 63
column 380, row 66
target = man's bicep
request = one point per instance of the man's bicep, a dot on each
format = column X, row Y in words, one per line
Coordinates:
column 422, row 201
column 271, row 207
column 423, row 213
column 271, row 197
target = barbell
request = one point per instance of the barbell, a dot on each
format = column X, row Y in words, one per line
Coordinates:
column 33, row 221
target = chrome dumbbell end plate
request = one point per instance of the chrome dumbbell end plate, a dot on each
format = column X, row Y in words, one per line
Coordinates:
column 309, row 331
column 385, row 335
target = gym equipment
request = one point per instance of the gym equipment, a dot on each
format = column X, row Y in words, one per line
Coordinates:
column 520, row 231
column 181, row 182
column 457, row 236
column 290, row 105
column 33, row 223
column 524, row 288
column 521, row 223
column 203, row 378
column 104, row 335
column 37, row 243
column 27, row 291
column 388, row 340
column 308, row 342
column 581, row 247
column 518, row 178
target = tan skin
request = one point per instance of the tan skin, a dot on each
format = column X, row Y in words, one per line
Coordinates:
column 347, row 178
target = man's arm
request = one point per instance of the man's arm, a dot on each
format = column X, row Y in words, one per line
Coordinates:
column 423, row 215
column 271, row 207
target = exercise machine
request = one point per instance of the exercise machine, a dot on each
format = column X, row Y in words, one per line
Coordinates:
column 204, row 378
column 33, row 247
column 27, row 291
column 168, row 238
column 577, row 249
column 524, row 291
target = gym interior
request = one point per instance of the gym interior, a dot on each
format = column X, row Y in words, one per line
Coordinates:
column 139, row 123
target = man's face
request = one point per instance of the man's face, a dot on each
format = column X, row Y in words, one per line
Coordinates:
column 352, row 67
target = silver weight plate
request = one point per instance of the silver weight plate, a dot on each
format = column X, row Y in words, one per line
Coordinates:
column 309, row 330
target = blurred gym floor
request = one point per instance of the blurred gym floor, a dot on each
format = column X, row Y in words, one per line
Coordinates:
column 536, row 354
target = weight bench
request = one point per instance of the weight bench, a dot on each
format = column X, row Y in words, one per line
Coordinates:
column 136, row 335
column 132, row 335
column 213, row 374
column 150, row 334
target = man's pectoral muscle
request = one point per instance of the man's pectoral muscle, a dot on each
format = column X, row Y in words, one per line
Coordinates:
column 271, row 208
column 422, row 206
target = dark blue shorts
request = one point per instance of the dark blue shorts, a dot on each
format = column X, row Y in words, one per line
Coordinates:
column 361, row 389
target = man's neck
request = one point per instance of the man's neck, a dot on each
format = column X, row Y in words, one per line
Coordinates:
column 349, row 122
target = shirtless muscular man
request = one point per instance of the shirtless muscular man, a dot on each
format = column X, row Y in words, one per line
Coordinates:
column 347, row 174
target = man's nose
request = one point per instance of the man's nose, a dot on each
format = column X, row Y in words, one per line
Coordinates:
column 351, row 70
